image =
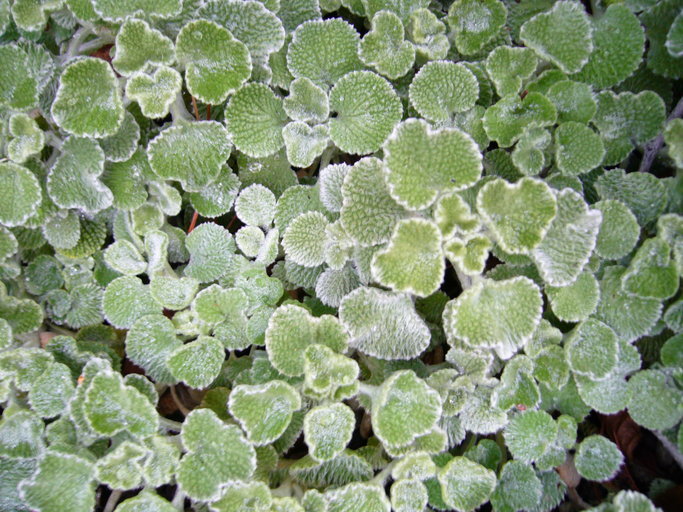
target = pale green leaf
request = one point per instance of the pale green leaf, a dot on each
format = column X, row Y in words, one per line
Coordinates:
column 211, row 249
column 509, row 66
column 506, row 120
column 138, row 46
column 198, row 362
column 619, row 230
column 20, row 194
column 328, row 429
column 384, row 48
column 475, row 23
column 442, row 88
column 149, row 343
column 465, row 485
column 154, row 93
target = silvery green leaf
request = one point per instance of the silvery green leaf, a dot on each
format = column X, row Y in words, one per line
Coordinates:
column 138, row 47
column 465, row 485
column 598, row 458
column 328, row 429
column 20, row 194
column 198, row 362
column 442, row 88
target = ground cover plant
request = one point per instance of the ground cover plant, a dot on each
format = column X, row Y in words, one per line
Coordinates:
column 340, row 255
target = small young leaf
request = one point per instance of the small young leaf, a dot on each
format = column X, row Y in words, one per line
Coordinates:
column 154, row 93
column 428, row 34
column 356, row 497
column 28, row 139
column 306, row 101
column 20, row 194
column 328, row 429
column 255, row 206
column 384, row 47
column 304, row 143
column 443, row 88
column 304, row 239
column 508, row 67
column 598, row 458
column 465, row 485
column 125, row 300
column 506, row 120
column 577, row 301
column 197, row 363
column 651, row 273
column 149, row 343
column 574, row 101
column 238, row 496
column 138, row 46
column 211, row 248
column 529, row 435
column 518, row 488
column 619, row 230
column 592, row 349
column 475, row 23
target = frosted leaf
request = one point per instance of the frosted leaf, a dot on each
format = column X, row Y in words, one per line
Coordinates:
column 518, row 488
column 415, row 244
column 496, row 314
column 250, row 22
column 216, row 198
column 465, row 485
column 402, row 8
column 19, row 90
column 27, row 138
column 551, row 368
column 442, row 88
column 172, row 153
column 265, row 410
column 405, row 407
column 417, row 465
column 324, row 51
column 304, row 143
column 149, row 343
column 8, row 243
column 578, row 149
column 328, row 374
column 154, row 93
column 121, row 146
column 453, row 215
column 254, row 118
column 509, row 66
column 659, row 20
column 211, row 249
column 174, row 294
column 577, row 301
column 198, row 362
column 671, row 353
column 673, row 136
column 561, row 35
column 619, row 230
column 304, row 239
column 469, row 254
column 592, row 349
column 249, row 240
column 88, row 101
column 20, row 194
column 61, row 481
column 291, row 329
column 216, row 454
column 529, row 435
column 328, row 429
column 574, row 101
column 384, row 48
column 475, row 23
column 125, row 258
column 111, row 407
column 519, row 215
column 118, row 10
column 224, row 311
column 216, row 64
column 529, row 156
column 120, row 468
column 627, row 119
column 6, row 338
column 306, row 101
column 367, row 109
column 138, row 47
column 428, row 34
column 656, row 402
column 420, row 163
column 408, row 496
column 330, row 181
column 125, row 300
column 670, row 228
column 146, row 501
column 368, row 212
column 674, row 38
column 618, row 41
column 569, row 242
column 296, row 200
column 356, row 497
column 238, row 496
column 21, row 435
column 383, row 324
column 598, row 458
column 506, row 120
column 255, row 206
column 334, row 284
column 651, row 273
column 23, row 315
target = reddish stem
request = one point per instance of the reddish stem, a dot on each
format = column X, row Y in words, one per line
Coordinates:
column 193, row 222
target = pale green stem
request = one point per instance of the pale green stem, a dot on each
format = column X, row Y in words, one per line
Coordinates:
column 327, row 156
column 465, row 281
column 284, row 491
column 179, row 110
column 179, row 500
column 76, row 39
column 176, row 426
column 368, row 389
column 381, row 477
column 112, row 501
column 95, row 44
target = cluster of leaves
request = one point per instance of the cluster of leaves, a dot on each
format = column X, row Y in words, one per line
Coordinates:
column 362, row 185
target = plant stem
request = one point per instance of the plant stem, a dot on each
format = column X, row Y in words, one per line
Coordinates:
column 112, row 501
column 669, row 447
column 194, row 108
column 178, row 110
column 184, row 410
column 179, row 499
column 176, row 426
column 95, row 44
column 381, row 477
column 653, row 147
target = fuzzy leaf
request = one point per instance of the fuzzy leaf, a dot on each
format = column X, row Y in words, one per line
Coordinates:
column 592, row 349
column 465, row 485
column 306, row 101
column 598, row 458
column 383, row 324
column 574, row 101
column 619, row 230
column 197, row 363
column 328, row 374
column 211, row 248
column 469, row 254
column 454, row 215
column 146, row 501
column 125, row 300
column 384, row 47
column 328, row 429
column 475, row 23
column 238, row 496
column 149, row 343
column 154, row 93
column 651, row 273
column 138, row 46
column 656, row 402
column 20, row 194
column 356, row 497
column 255, row 206
column 443, row 88
column 304, row 239
column 578, row 149
column 506, row 120
column 577, row 301
column 428, row 34
column 408, row 495
column 116, row 10
column 508, row 67
column 19, row 90
column 518, row 488
column 529, row 435
column 304, row 143
column 28, row 139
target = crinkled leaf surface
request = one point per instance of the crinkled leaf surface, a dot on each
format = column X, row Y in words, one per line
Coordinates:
column 506, row 120
column 384, row 47
column 465, row 485
column 154, row 93
column 442, row 88
column 475, row 23
column 139, row 46
column 20, row 194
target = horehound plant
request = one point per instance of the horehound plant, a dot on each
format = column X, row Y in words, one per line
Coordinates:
column 376, row 254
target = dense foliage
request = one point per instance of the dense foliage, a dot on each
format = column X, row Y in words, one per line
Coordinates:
column 375, row 254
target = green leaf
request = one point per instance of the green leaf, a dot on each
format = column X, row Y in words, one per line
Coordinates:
column 384, row 48
column 249, row 240
column 428, row 34
column 23, row 315
column 138, row 47
column 530, row 434
column 598, row 458
column 328, row 374
column 502, row 315
column 216, row 64
column 125, row 300
column 508, row 67
column 51, row 391
column 19, row 90
column 28, row 139
column 673, row 136
column 216, row 454
column 578, row 149
column 518, row 488
column 442, row 88
column 651, row 273
column 562, row 36
column 255, row 206
column 174, row 294
column 408, row 495
column 154, row 93
column 304, row 239
column 120, row 468
column 306, row 101
column 383, row 324
column 328, row 429
column 121, row 146
column 20, row 194
column 474, row 23
column 211, row 249
column 291, row 329
column 254, row 118
column 577, row 301
column 656, row 402
column 88, row 102
column 415, row 244
column 674, row 39
column 21, row 435
column 146, row 501
column 574, row 101
column 367, row 109
column 592, row 349
column 197, row 363
column 149, row 343
column 170, row 153
column 356, row 497
column 453, row 215
column 619, row 230
column 420, row 162
column 368, row 212
column 618, row 40
column 324, row 51
column 117, row 10
column 659, row 19
column 125, row 258
column 519, row 215
column 465, row 485
column 304, row 144
column 216, row 198
column 238, row 496
column 61, row 481
column 506, row 120
column 569, row 242
column 529, row 155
